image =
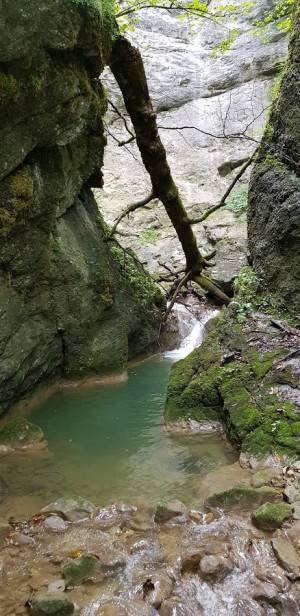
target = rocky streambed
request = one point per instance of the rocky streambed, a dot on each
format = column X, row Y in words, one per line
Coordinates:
column 237, row 553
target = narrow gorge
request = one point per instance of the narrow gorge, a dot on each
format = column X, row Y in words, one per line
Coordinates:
column 149, row 303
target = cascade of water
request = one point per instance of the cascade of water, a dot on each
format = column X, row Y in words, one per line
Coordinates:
column 191, row 329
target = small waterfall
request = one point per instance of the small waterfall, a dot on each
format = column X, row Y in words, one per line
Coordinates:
column 191, row 329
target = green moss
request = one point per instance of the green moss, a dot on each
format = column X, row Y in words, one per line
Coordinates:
column 149, row 236
column 238, row 200
column 270, row 516
column 51, row 604
column 137, row 280
column 258, row 443
column 9, row 88
column 243, row 419
column 16, row 195
column 19, row 431
column 241, row 497
column 80, row 570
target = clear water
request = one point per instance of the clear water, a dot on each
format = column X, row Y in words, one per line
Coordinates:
column 107, row 443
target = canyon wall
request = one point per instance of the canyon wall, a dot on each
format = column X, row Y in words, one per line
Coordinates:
column 70, row 306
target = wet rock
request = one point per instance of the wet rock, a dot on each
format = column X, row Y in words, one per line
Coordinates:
column 174, row 607
column 274, row 576
column 19, row 433
column 114, row 515
column 55, row 524
column 242, row 498
column 51, row 604
column 214, row 568
column 196, row 516
column 165, row 511
column 270, row 516
column 5, row 450
column 263, row 477
column 74, row 508
column 125, row 608
column 293, row 533
column 266, row 593
column 190, row 563
column 22, row 540
column 292, row 490
column 163, row 588
column 5, row 530
column 287, row 556
column 80, row 570
column 139, row 546
column 57, row 586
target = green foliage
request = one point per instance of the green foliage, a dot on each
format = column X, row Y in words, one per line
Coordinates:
column 138, row 282
column 92, row 3
column 9, row 88
column 280, row 14
column 36, row 82
column 237, row 202
column 148, row 236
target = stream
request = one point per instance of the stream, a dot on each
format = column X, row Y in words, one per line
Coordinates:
column 108, row 443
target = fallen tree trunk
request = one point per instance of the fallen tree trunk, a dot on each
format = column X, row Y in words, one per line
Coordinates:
column 128, row 69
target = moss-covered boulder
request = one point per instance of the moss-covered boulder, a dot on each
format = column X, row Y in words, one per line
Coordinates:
column 242, row 498
column 51, row 604
column 19, row 432
column 80, row 570
column 270, row 516
column 263, row 477
column 230, row 381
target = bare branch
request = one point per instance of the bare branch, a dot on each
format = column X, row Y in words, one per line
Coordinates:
column 195, row 221
column 222, row 136
column 122, row 117
column 181, row 283
column 131, row 208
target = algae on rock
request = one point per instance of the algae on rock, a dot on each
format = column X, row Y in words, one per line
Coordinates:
column 67, row 308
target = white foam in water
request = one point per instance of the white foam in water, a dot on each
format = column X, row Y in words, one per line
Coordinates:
column 192, row 330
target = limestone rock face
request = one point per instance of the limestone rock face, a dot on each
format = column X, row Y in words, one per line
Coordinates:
column 218, row 95
column 274, row 216
column 66, row 308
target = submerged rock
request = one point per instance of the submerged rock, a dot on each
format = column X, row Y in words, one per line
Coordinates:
column 163, row 585
column 114, row 515
column 73, row 508
column 125, row 608
column 242, row 498
column 175, row 607
column 263, row 477
column 20, row 433
column 51, row 604
column 266, row 593
column 270, row 516
column 214, row 568
column 165, row 511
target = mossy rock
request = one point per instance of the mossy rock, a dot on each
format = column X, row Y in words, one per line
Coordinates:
column 262, row 478
column 19, row 431
column 241, row 498
column 51, row 604
column 270, row 516
column 80, row 570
